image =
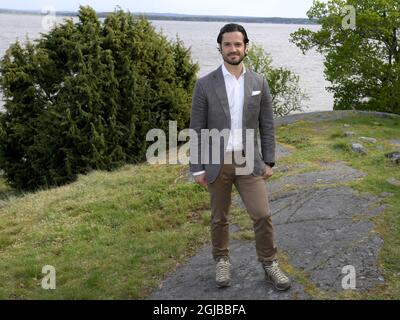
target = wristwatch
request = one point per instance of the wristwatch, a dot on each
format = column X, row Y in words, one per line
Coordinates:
column 271, row 164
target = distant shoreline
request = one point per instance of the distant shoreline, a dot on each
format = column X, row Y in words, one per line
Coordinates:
column 180, row 17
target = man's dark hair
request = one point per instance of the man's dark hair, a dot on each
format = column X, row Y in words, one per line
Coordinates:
column 232, row 27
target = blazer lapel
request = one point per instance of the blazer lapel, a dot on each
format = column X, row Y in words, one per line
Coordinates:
column 220, row 89
column 248, row 85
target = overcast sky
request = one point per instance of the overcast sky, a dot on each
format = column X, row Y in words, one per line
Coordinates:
column 255, row 8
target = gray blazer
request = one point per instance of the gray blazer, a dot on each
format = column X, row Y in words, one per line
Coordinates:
column 210, row 110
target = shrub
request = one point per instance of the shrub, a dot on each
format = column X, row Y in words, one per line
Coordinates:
column 287, row 96
column 84, row 96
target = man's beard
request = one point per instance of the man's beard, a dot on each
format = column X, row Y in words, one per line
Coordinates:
column 236, row 62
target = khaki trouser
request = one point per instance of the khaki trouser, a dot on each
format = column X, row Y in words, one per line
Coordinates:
column 253, row 191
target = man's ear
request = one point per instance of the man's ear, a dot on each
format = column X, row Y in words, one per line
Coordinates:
column 246, row 50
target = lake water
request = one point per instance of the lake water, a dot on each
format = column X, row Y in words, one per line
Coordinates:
column 201, row 37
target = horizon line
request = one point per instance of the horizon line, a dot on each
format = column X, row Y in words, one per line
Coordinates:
column 151, row 13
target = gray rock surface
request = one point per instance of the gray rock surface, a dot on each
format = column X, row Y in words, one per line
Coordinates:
column 281, row 151
column 367, row 139
column 196, row 281
column 320, row 227
column 358, row 148
column 393, row 181
column 286, row 168
column 395, row 142
column 322, row 231
column 320, row 116
column 333, row 173
column 394, row 157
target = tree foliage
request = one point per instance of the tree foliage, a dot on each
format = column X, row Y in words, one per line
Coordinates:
column 287, row 96
column 362, row 63
column 84, row 96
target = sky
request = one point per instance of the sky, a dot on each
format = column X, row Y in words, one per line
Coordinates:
column 251, row 8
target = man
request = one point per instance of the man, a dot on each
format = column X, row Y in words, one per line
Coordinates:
column 237, row 99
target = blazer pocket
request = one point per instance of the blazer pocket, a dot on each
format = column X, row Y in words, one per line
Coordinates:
column 254, row 101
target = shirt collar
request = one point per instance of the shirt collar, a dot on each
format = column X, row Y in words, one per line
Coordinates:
column 225, row 71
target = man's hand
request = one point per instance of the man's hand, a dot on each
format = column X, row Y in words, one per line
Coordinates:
column 201, row 179
column 268, row 172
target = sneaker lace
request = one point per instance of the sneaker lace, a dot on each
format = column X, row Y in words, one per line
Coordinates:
column 275, row 272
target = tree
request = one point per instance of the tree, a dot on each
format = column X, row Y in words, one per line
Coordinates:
column 83, row 97
column 286, row 93
column 362, row 62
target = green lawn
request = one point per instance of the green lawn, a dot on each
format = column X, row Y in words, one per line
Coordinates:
column 116, row 235
column 109, row 235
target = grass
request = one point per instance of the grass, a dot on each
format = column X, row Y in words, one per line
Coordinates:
column 109, row 235
column 118, row 235
column 300, row 140
column 328, row 143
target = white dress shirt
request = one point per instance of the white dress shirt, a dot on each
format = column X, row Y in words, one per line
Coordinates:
column 235, row 93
